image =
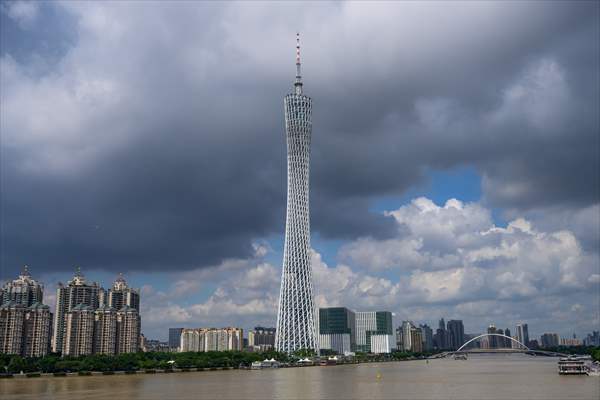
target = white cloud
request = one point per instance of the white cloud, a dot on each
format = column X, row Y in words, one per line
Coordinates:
column 24, row 13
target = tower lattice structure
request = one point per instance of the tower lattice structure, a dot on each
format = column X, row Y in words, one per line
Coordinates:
column 296, row 313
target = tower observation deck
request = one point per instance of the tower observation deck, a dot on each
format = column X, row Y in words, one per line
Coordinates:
column 295, row 317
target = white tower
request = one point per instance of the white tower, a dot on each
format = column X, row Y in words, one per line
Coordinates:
column 295, row 317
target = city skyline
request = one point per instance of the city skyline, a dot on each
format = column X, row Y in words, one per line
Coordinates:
column 453, row 176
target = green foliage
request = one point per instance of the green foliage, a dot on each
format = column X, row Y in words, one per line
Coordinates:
column 53, row 363
column 302, row 353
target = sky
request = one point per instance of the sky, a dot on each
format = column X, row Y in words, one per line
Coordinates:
column 455, row 165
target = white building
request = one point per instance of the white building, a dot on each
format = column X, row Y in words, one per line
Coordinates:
column 211, row 339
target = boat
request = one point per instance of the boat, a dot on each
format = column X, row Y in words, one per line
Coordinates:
column 256, row 365
column 460, row 356
column 594, row 369
column 572, row 366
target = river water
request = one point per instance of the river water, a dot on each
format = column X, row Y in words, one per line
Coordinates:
column 503, row 377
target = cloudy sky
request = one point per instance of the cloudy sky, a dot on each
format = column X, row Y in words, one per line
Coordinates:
column 454, row 172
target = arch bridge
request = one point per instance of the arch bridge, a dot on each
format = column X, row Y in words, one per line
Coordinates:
column 521, row 349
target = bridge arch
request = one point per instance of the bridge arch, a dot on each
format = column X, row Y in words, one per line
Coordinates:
column 491, row 334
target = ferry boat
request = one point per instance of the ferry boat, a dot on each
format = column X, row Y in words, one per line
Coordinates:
column 572, row 366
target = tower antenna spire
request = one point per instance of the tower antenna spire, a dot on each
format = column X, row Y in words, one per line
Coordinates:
column 298, row 83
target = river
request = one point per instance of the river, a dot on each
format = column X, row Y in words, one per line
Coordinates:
column 502, row 377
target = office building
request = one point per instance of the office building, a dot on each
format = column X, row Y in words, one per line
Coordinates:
column 427, row 333
column 337, row 329
column 440, row 337
column 175, row 337
column 507, row 341
column 374, row 333
column 492, row 340
column 295, row 316
column 522, row 332
column 455, row 334
column 592, row 339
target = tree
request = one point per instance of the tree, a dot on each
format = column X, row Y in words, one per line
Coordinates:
column 16, row 364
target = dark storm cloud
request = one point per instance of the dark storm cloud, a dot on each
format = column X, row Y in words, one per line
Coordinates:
column 157, row 140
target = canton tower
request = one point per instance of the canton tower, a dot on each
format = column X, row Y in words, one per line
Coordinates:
column 295, row 317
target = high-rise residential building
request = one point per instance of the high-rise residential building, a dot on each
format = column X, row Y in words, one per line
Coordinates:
column 522, row 332
column 337, row 329
column 374, row 333
column 23, row 290
column 416, row 340
column 261, row 338
column 78, row 335
column 12, row 323
column 122, row 295
column 175, row 337
column 440, row 338
column 77, row 292
column 549, row 340
column 295, row 316
column 36, row 338
column 570, row 342
column 427, row 337
column 455, row 334
column 128, row 330
column 405, row 336
column 211, row 339
column 105, row 330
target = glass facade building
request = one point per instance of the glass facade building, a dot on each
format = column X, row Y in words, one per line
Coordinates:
column 337, row 329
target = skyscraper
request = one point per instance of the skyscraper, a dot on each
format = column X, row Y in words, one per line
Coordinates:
column 12, row 318
column 78, row 291
column 455, row 334
column 427, row 337
column 493, row 340
column 23, row 290
column 105, row 330
column 36, row 338
column 78, row 335
column 440, row 337
column 523, row 334
column 295, row 316
column 122, row 295
column 128, row 330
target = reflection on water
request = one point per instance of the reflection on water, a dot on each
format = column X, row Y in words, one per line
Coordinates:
column 480, row 377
